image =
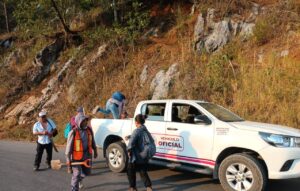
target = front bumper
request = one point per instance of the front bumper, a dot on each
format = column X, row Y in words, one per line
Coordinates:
column 275, row 158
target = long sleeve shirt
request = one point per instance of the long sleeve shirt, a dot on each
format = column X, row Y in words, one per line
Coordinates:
column 84, row 137
column 136, row 145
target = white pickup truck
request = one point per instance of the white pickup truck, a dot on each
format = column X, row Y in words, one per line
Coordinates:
column 206, row 138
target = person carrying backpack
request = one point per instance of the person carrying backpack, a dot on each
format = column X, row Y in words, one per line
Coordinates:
column 141, row 148
column 115, row 105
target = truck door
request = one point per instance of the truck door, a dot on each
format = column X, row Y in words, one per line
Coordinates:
column 186, row 140
column 155, row 121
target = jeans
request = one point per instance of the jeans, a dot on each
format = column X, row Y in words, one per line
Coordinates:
column 131, row 174
column 39, row 153
column 111, row 108
column 79, row 173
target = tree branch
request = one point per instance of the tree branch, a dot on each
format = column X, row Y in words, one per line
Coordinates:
column 66, row 28
column 6, row 17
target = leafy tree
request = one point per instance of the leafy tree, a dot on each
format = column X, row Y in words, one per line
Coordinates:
column 43, row 16
column 136, row 18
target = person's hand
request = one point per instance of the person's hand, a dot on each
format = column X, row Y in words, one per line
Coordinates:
column 68, row 163
column 69, row 170
column 129, row 153
column 127, row 137
column 45, row 132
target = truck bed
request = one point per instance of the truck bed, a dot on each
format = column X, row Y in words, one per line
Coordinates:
column 118, row 127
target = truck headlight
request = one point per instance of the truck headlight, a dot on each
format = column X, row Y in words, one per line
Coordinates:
column 280, row 140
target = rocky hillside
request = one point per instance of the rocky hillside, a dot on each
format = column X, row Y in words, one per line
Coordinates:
column 243, row 55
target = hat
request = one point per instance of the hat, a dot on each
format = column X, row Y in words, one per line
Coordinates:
column 42, row 113
column 80, row 109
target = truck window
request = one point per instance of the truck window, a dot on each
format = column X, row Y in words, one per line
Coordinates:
column 154, row 111
column 184, row 113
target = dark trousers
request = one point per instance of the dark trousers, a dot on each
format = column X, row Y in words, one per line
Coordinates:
column 39, row 153
column 131, row 174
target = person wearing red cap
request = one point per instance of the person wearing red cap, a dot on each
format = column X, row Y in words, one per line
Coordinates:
column 44, row 128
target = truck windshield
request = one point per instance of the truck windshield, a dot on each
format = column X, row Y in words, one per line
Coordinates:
column 220, row 112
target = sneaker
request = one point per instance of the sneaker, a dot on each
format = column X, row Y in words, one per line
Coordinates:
column 81, row 184
column 35, row 168
column 49, row 166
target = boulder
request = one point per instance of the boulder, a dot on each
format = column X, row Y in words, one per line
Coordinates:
column 210, row 18
column 246, row 30
column 220, row 36
column 52, row 101
column 160, row 85
column 157, row 79
column 213, row 35
column 72, row 96
column 101, row 51
column 199, row 32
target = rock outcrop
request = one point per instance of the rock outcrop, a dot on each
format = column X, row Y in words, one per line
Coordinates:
column 144, row 75
column 43, row 62
column 161, row 83
column 50, row 94
column 211, row 35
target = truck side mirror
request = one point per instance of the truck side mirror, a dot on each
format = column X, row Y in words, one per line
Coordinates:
column 202, row 119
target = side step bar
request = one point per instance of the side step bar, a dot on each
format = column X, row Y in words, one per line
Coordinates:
column 180, row 166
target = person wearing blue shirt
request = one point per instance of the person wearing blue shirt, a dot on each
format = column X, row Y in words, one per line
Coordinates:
column 115, row 106
column 44, row 129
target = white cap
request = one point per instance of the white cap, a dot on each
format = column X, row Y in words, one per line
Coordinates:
column 42, row 113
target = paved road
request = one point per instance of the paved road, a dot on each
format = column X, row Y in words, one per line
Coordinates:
column 16, row 162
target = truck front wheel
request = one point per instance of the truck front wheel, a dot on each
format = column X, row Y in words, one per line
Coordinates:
column 116, row 156
column 242, row 172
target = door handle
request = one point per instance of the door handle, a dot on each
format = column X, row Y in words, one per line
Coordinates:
column 172, row 129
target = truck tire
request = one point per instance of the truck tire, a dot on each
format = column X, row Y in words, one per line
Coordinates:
column 242, row 172
column 116, row 157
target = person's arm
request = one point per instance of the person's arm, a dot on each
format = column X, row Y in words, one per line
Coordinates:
column 133, row 139
column 94, row 144
column 123, row 109
column 53, row 127
column 69, row 147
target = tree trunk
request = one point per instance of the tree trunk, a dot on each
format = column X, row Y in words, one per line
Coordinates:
column 6, row 17
column 115, row 11
column 66, row 28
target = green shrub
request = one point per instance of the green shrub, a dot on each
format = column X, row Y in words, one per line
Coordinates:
column 263, row 32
